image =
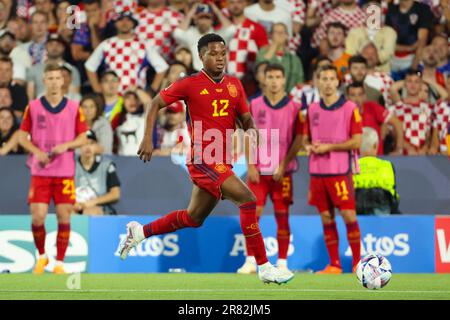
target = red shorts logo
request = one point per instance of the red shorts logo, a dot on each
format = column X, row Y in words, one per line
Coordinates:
column 442, row 245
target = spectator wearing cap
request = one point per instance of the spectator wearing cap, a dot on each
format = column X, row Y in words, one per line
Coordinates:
column 128, row 56
column 383, row 37
column 183, row 54
column 9, row 126
column 202, row 15
column 92, row 106
column 7, row 45
column 278, row 52
column 17, row 91
column 130, row 123
column 413, row 22
column 172, row 134
column 156, row 24
column 110, row 83
column 55, row 48
column 248, row 39
column 96, row 181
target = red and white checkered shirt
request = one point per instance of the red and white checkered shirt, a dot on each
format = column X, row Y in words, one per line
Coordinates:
column 156, row 29
column 350, row 20
column 128, row 58
column 417, row 121
column 242, row 49
column 441, row 121
column 322, row 7
column 378, row 80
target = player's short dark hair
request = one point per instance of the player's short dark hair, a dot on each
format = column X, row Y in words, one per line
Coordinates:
column 207, row 39
column 336, row 25
column 354, row 85
column 274, row 67
column 328, row 67
column 52, row 67
column 357, row 59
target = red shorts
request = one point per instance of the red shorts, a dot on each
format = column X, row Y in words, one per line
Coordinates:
column 43, row 189
column 278, row 191
column 329, row 192
column 210, row 176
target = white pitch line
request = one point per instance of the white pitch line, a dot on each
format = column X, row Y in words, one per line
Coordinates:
column 219, row 290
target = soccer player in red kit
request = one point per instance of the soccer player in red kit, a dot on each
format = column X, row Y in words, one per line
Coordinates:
column 56, row 127
column 332, row 132
column 214, row 102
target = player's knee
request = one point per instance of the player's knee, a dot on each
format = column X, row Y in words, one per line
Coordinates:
column 326, row 216
column 349, row 216
column 247, row 197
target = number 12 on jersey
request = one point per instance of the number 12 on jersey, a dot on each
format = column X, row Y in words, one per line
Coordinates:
column 220, row 107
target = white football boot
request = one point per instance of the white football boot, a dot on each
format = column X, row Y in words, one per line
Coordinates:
column 249, row 266
column 135, row 234
column 270, row 274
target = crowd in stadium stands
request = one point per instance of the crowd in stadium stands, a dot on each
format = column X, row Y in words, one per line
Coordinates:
column 392, row 58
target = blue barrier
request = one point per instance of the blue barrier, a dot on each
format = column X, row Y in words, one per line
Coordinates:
column 407, row 241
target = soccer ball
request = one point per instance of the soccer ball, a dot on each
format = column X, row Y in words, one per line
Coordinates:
column 374, row 271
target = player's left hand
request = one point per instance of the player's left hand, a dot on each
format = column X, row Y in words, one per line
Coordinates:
column 279, row 172
column 60, row 148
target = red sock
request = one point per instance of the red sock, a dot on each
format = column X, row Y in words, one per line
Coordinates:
column 354, row 239
column 171, row 222
column 62, row 240
column 250, row 252
column 283, row 234
column 252, row 234
column 332, row 243
column 39, row 237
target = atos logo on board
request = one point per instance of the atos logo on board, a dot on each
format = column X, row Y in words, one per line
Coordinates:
column 166, row 245
column 386, row 246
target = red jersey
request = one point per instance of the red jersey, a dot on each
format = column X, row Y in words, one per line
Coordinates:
column 373, row 116
column 212, row 108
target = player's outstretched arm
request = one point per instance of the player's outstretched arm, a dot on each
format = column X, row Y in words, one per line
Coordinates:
column 146, row 147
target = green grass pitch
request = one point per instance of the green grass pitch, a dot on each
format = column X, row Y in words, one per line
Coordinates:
column 219, row 286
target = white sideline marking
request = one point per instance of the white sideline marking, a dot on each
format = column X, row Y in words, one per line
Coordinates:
column 223, row 290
